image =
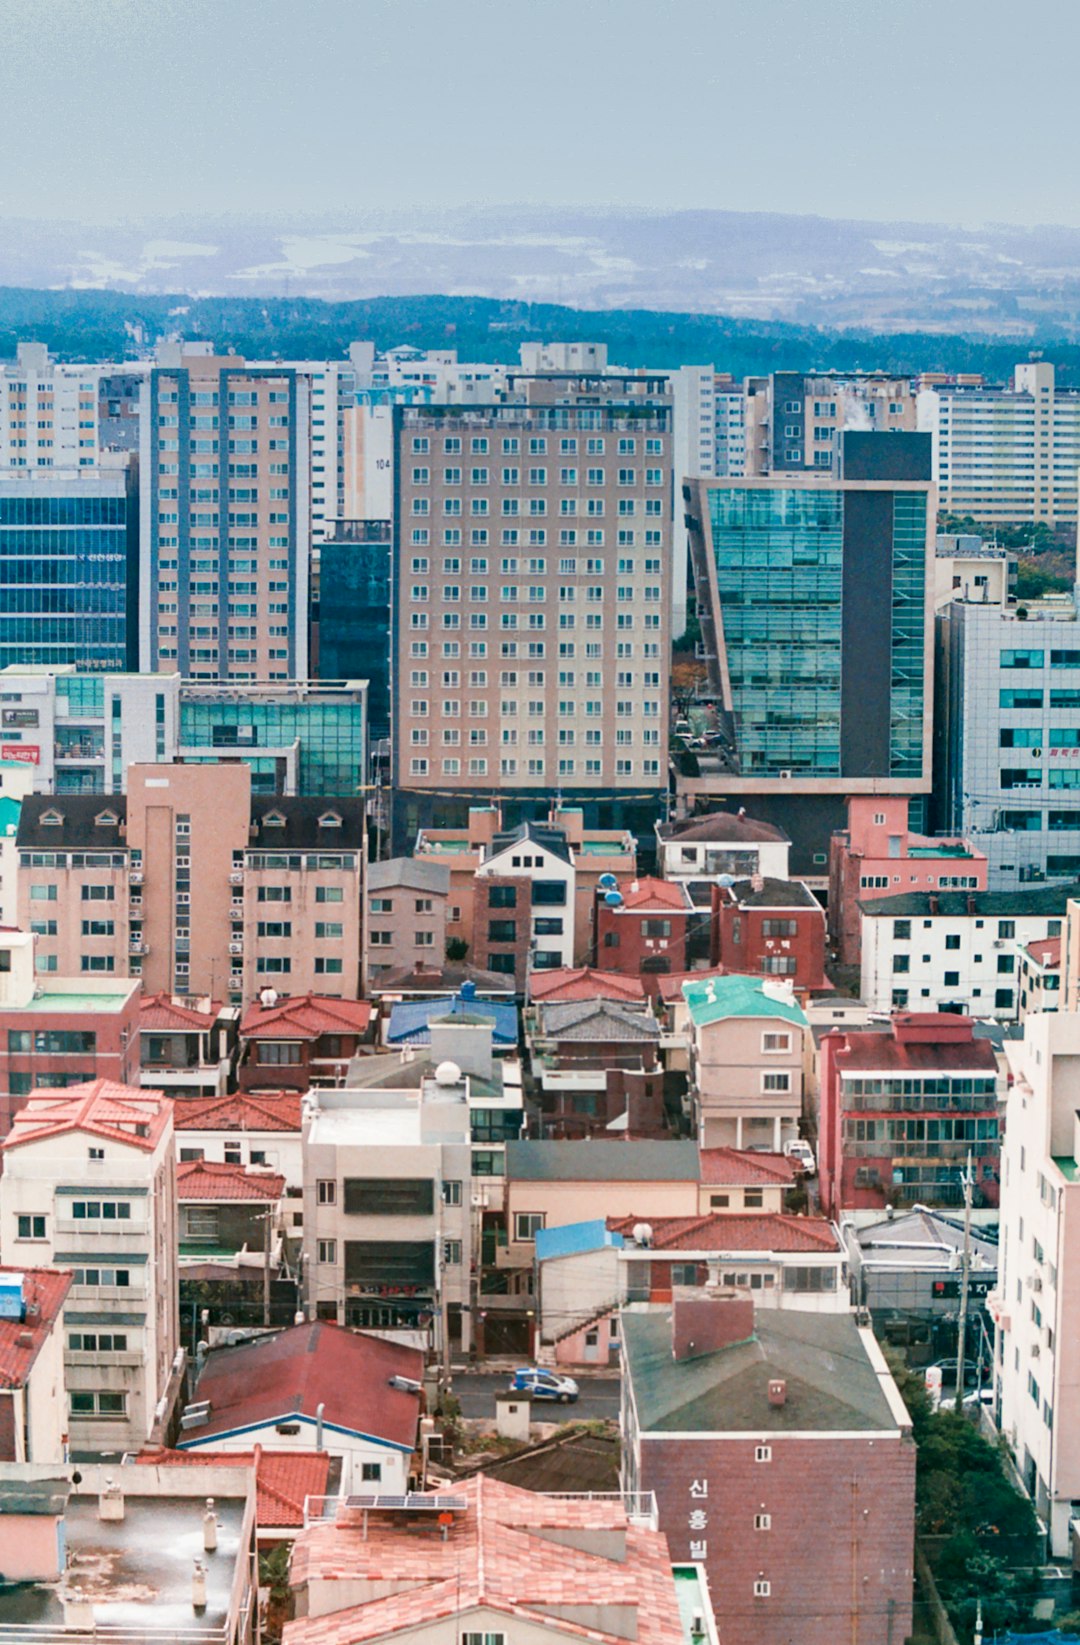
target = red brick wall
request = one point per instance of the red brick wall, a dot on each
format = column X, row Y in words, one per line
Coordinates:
column 806, row 947
column 116, row 1056
column 633, row 948
column 521, row 915
column 841, row 1535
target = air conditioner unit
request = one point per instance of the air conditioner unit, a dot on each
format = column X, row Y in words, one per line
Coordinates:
column 999, row 942
column 236, row 877
column 480, row 1202
column 135, row 876
column 786, row 774
column 236, row 948
column 1036, row 1282
column 1035, row 1350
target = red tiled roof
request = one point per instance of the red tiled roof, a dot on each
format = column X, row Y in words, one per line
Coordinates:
column 738, row 1231
column 305, row 1017
column 161, row 1011
column 100, row 1108
column 294, row 1371
column 282, row 1478
column 874, row 1052
column 671, row 982
column 641, row 895
column 583, row 983
column 1046, row 953
column 198, row 1179
column 725, row 825
column 21, row 1340
column 500, row 1554
column 244, row 1111
column 738, row 1168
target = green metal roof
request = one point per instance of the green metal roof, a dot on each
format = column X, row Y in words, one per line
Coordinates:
column 718, row 997
column 1067, row 1167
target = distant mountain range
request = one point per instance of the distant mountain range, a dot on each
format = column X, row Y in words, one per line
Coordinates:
column 810, row 271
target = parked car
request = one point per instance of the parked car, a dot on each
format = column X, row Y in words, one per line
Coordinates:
column 544, row 1385
column 803, row 1155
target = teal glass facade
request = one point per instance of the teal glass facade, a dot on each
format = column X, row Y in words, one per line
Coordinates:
column 779, row 563
column 65, row 567
column 823, row 618
column 331, row 738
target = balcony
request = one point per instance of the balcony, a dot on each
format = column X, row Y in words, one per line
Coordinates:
column 132, row 1233
column 127, row 1359
column 108, row 1293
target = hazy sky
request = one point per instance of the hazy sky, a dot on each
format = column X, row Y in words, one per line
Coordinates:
column 946, row 110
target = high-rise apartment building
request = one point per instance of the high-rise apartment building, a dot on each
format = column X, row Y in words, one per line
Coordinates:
column 225, row 518
column 815, row 597
column 48, row 412
column 794, row 419
column 1005, row 456
column 531, row 621
column 69, row 567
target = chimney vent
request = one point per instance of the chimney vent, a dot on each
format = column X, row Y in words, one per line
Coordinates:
column 777, row 1391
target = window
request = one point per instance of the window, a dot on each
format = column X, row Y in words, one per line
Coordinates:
column 98, row 1342
column 526, row 1223
column 101, row 1403
column 452, row 1253
column 329, row 893
column 773, row 1043
column 327, row 1250
column 776, row 1082
column 451, row 1193
column 763, row 1453
column 199, row 1223
column 326, row 1191
column 502, row 896
column 762, row 1522
column 31, row 1227
column 762, row 1589
column 371, row 1472
column 94, row 1210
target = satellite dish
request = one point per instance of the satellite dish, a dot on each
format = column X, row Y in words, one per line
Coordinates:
column 448, row 1073
column 613, row 899
column 642, row 1233
column 725, row 879
column 607, row 882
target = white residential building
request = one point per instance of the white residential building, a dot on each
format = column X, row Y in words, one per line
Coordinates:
column 535, row 853
column 388, row 1218
column 954, row 950
column 89, row 1183
column 1038, row 1347
column 722, row 843
column 1005, row 456
column 48, row 412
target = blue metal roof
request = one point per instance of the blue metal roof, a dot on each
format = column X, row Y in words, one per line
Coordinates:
column 410, row 1021
column 573, row 1238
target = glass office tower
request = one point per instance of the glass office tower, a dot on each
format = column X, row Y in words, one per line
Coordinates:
column 68, row 568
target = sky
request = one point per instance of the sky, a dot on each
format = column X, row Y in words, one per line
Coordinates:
column 922, row 110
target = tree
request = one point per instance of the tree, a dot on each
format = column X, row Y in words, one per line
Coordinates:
column 456, row 948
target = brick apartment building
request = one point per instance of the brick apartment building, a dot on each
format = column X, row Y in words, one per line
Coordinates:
column 57, row 1031
column 292, row 1042
column 739, row 1417
column 194, row 886
column 642, row 929
column 900, row 1109
column 774, row 928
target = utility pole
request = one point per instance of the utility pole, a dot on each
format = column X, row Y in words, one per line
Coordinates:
column 965, row 1275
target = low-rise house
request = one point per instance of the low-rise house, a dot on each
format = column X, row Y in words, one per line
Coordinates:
column 642, row 929
column 89, row 1185
column 409, row 1023
column 285, row 1481
column 388, row 1217
column 878, row 852
column 736, row 1416
column 187, row 1046
column 33, row 1421
column 594, row 854
column 314, row 1387
column 1040, row 976
column 407, row 901
column 750, row 1047
column 908, row 1271
column 722, row 843
column 108, row 1550
column 583, row 982
column 57, row 1030
column 430, row 980
column 488, row 1562
column 736, row 1180
column 585, row 1274
column 228, row 1213
column 294, row 1043
column 771, row 928
column 596, row 1066
column 901, row 1110
column 955, row 950
column 246, row 1129
column 524, row 902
